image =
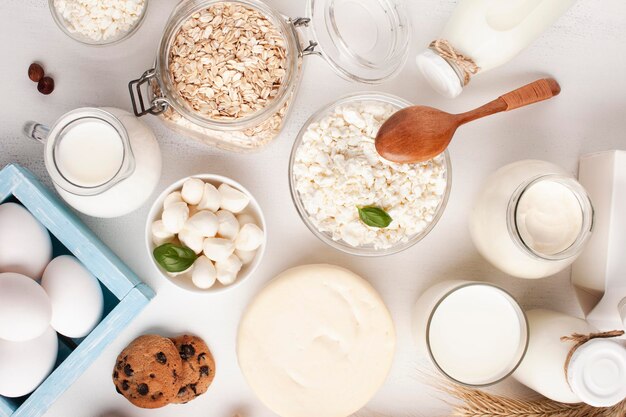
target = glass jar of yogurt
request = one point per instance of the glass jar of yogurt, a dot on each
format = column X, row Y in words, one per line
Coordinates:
column 227, row 71
column 531, row 219
column 104, row 162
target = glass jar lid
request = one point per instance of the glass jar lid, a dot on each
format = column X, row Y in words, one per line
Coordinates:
column 363, row 40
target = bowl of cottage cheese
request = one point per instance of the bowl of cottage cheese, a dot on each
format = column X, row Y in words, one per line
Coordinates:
column 101, row 22
column 352, row 198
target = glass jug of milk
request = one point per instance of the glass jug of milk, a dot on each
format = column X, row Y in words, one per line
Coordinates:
column 482, row 35
column 596, row 372
column 104, row 162
column 531, row 219
column 474, row 333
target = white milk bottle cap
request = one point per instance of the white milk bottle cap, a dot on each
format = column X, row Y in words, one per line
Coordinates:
column 597, row 372
column 439, row 74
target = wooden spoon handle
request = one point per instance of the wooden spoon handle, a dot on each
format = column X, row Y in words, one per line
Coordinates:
column 531, row 93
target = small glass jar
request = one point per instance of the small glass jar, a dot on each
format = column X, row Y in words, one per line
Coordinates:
column 531, row 219
column 365, row 41
column 111, row 175
column 67, row 28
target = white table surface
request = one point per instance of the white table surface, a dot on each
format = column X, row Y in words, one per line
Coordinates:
column 585, row 51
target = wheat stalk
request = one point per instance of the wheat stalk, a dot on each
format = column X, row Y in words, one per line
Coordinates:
column 477, row 403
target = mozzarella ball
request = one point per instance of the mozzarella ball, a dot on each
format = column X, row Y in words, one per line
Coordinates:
column 228, row 225
column 218, row 249
column 228, row 269
column 192, row 239
column 211, row 198
column 175, row 216
column 204, row 273
column 245, row 218
column 250, row 237
column 232, row 200
column 246, row 256
column 204, row 223
column 192, row 191
column 160, row 234
column 172, row 198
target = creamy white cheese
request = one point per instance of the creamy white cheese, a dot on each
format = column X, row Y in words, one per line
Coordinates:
column 318, row 341
column 337, row 169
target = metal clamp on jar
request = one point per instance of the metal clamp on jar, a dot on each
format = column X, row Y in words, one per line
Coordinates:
column 365, row 41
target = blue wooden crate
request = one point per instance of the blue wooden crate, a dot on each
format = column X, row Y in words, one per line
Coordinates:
column 124, row 294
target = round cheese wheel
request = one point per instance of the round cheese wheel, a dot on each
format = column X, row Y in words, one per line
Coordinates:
column 318, row 341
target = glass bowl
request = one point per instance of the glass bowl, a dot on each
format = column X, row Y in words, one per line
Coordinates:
column 183, row 280
column 64, row 25
column 370, row 249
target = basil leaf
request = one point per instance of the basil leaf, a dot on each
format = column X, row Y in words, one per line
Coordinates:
column 374, row 216
column 174, row 258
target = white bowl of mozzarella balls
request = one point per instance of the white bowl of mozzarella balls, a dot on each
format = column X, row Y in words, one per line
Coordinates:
column 206, row 233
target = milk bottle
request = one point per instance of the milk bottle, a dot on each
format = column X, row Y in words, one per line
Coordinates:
column 484, row 34
column 595, row 373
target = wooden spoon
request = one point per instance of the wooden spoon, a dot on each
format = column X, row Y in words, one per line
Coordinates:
column 419, row 133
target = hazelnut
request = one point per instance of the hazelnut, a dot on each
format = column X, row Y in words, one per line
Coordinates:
column 35, row 72
column 45, row 85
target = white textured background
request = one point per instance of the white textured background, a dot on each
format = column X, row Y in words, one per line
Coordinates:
column 585, row 51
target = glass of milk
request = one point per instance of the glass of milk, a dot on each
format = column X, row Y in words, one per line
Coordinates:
column 103, row 161
column 475, row 333
column 531, row 219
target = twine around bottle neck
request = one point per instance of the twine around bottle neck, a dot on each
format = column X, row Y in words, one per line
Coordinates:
column 464, row 64
column 581, row 339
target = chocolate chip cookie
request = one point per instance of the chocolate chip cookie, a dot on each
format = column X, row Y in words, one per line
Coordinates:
column 198, row 367
column 147, row 372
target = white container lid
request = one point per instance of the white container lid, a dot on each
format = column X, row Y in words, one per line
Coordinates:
column 439, row 74
column 597, row 372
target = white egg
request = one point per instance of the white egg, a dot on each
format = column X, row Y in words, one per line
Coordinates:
column 25, row 309
column 25, row 245
column 75, row 295
column 24, row 365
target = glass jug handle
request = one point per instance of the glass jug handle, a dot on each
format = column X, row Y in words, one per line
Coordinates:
column 36, row 131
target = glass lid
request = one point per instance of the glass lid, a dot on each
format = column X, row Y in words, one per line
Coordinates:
column 364, row 40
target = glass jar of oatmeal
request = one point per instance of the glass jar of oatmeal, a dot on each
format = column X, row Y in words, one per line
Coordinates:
column 226, row 71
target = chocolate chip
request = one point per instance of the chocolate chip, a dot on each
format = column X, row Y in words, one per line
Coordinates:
column 161, row 358
column 186, row 352
column 204, row 370
column 193, row 388
column 152, row 376
column 174, row 373
column 156, row 395
column 128, row 371
column 115, row 375
column 119, row 365
column 142, row 389
column 201, row 357
column 182, row 391
column 125, row 385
